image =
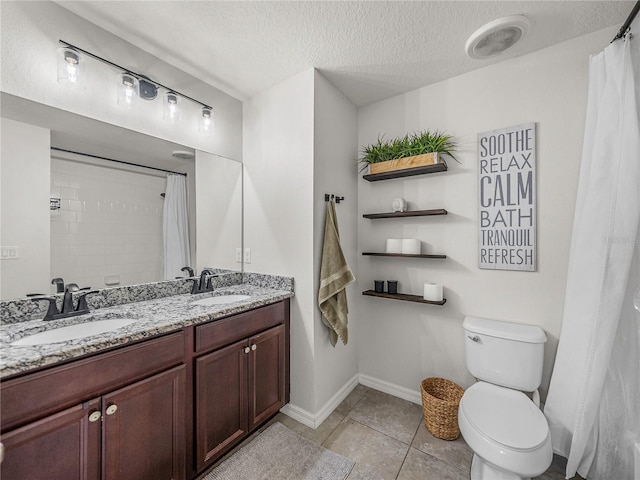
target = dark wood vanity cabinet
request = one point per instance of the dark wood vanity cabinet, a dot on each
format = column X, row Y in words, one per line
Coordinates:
column 240, row 385
column 145, row 436
column 109, row 426
column 63, row 446
column 163, row 408
column 130, row 433
column 266, row 375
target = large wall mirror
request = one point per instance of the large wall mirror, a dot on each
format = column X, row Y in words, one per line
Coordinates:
column 92, row 218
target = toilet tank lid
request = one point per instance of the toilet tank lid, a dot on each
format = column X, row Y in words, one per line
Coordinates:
column 508, row 330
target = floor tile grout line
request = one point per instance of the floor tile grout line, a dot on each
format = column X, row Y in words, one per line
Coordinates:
column 340, row 423
column 322, row 444
column 403, row 460
column 343, row 419
column 378, row 431
column 375, row 429
column 408, row 449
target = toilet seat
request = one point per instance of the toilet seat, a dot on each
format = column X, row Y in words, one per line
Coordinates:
column 506, row 429
column 505, row 416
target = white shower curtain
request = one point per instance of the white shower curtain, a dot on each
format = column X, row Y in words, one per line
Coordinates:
column 175, row 227
column 593, row 402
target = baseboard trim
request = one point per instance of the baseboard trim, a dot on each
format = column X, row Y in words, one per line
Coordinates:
column 391, row 388
column 315, row 420
column 337, row 399
column 299, row 414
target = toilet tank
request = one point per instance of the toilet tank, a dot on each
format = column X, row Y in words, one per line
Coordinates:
column 504, row 353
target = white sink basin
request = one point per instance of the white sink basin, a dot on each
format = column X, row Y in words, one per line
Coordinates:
column 73, row 332
column 221, row 300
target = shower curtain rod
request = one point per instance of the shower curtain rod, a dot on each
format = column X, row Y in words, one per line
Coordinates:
column 627, row 23
column 117, row 161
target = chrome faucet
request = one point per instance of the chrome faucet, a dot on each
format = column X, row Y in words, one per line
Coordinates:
column 67, row 309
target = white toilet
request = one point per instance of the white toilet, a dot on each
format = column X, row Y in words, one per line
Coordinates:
column 506, row 430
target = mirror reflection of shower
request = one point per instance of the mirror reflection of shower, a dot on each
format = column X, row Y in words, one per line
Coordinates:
column 88, row 233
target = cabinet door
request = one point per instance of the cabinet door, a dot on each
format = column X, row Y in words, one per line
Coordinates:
column 144, row 429
column 221, row 401
column 63, row 446
column 266, row 375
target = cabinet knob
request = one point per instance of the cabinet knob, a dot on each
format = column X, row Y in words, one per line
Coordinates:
column 253, row 347
column 111, row 409
column 95, row 416
column 247, row 349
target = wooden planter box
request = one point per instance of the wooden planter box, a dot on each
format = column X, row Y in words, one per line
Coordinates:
column 404, row 163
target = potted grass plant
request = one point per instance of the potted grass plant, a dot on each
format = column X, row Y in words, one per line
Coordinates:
column 416, row 150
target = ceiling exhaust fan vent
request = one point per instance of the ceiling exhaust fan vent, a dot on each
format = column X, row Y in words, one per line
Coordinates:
column 183, row 154
column 497, row 36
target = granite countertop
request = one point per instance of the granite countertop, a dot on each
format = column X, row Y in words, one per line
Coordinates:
column 159, row 316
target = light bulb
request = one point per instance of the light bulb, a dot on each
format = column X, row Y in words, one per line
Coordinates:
column 127, row 90
column 171, row 107
column 70, row 67
column 206, row 121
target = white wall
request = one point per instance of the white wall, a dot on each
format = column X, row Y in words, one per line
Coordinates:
column 109, row 224
column 334, row 172
column 407, row 342
column 29, row 39
column 24, row 203
column 299, row 144
column 219, row 214
column 278, row 209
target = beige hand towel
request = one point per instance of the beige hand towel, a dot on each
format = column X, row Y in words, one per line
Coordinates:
column 335, row 275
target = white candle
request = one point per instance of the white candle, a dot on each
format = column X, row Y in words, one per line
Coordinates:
column 433, row 292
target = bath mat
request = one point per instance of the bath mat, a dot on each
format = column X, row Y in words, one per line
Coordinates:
column 280, row 454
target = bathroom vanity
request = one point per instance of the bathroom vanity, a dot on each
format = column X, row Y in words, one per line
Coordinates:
column 156, row 400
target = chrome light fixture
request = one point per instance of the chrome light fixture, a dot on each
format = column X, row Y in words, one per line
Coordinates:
column 497, row 36
column 128, row 90
column 171, row 107
column 70, row 66
column 206, row 121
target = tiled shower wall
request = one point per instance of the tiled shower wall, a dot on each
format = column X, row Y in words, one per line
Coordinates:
column 109, row 226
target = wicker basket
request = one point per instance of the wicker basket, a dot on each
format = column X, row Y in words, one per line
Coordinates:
column 440, row 401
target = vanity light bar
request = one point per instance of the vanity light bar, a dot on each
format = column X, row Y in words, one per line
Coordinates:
column 132, row 73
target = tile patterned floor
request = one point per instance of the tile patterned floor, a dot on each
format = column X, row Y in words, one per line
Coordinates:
column 387, row 439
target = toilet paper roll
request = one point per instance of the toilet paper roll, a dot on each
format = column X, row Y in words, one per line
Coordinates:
column 433, row 292
column 394, row 245
column 411, row 246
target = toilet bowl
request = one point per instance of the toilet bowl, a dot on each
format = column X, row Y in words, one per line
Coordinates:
column 506, row 430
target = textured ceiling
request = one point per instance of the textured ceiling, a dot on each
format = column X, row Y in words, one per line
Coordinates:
column 369, row 50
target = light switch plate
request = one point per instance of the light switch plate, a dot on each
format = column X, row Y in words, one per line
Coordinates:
column 9, row 253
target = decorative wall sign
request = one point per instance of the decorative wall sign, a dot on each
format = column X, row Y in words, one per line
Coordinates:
column 507, row 198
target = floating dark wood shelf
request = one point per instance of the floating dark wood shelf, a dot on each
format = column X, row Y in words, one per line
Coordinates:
column 408, row 172
column 402, row 296
column 412, row 213
column 408, row 255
